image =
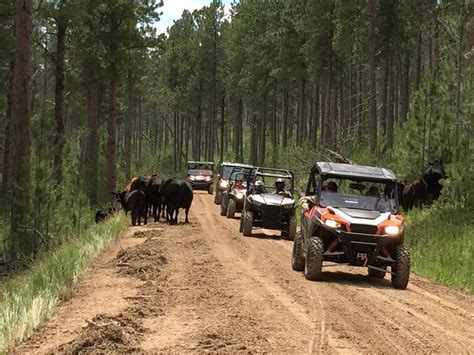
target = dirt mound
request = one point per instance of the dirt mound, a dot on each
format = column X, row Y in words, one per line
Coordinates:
column 143, row 261
column 106, row 334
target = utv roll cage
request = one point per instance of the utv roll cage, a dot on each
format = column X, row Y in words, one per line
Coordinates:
column 352, row 172
column 273, row 173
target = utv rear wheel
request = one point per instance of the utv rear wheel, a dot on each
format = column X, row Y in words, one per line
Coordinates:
column 248, row 223
column 292, row 228
column 401, row 267
column 231, row 206
column 297, row 259
column 314, row 259
column 377, row 274
column 210, row 189
column 218, row 198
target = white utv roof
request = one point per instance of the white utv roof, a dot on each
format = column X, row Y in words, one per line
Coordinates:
column 354, row 171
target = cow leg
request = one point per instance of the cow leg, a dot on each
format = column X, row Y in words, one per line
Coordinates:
column 155, row 207
column 187, row 213
column 134, row 217
column 145, row 214
column 176, row 218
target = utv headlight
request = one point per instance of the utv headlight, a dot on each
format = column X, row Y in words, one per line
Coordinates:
column 332, row 223
column 392, row 230
column 192, row 178
column 223, row 184
column 239, row 195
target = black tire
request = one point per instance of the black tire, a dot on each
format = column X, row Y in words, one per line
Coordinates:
column 376, row 274
column 292, row 228
column 248, row 224
column 401, row 268
column 231, row 206
column 297, row 259
column 218, row 197
column 314, row 259
column 223, row 209
column 241, row 226
column 210, row 189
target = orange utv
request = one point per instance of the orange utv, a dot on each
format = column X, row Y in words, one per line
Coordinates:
column 350, row 215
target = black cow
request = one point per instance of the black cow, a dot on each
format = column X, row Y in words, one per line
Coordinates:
column 135, row 201
column 433, row 173
column 177, row 194
column 103, row 214
column 154, row 197
column 400, row 188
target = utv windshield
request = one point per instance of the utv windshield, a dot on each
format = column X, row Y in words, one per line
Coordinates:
column 362, row 195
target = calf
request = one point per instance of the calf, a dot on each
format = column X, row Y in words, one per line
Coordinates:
column 154, row 197
column 177, row 194
column 103, row 214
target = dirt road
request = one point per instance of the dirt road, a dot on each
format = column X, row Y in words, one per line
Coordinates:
column 203, row 287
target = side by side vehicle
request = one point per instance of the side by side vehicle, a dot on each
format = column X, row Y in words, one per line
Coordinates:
column 225, row 170
column 350, row 215
column 201, row 175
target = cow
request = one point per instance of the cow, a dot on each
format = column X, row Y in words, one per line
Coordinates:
column 176, row 194
column 433, row 173
column 154, row 197
column 103, row 214
column 135, row 201
column 414, row 194
column 400, row 187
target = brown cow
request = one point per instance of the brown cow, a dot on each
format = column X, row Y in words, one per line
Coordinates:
column 415, row 194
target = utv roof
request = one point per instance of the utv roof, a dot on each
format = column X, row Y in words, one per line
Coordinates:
column 284, row 173
column 200, row 162
column 353, row 171
column 226, row 163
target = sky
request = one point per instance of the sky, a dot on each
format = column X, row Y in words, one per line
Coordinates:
column 172, row 10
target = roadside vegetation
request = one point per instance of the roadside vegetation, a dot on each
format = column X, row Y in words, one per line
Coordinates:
column 29, row 298
column 441, row 241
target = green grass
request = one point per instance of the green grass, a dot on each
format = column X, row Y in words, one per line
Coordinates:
column 31, row 297
column 441, row 242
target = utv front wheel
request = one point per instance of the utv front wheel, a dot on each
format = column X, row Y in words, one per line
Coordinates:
column 377, row 274
column 218, row 198
column 401, row 267
column 248, row 223
column 292, row 228
column 210, row 189
column 231, row 206
column 223, row 208
column 297, row 259
column 314, row 259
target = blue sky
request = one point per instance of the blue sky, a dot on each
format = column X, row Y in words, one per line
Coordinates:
column 173, row 9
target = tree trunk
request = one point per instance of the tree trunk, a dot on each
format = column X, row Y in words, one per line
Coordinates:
column 286, row 99
column 390, row 108
column 222, row 128
column 405, row 89
column 418, row 61
column 129, row 125
column 383, row 113
column 253, row 140
column 372, row 88
column 110, row 172
column 21, row 131
column 59, row 139
column 92, row 147
column 8, row 128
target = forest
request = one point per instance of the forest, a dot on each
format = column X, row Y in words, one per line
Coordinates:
column 92, row 95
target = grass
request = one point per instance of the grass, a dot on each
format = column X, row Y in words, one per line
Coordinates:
column 441, row 242
column 31, row 297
